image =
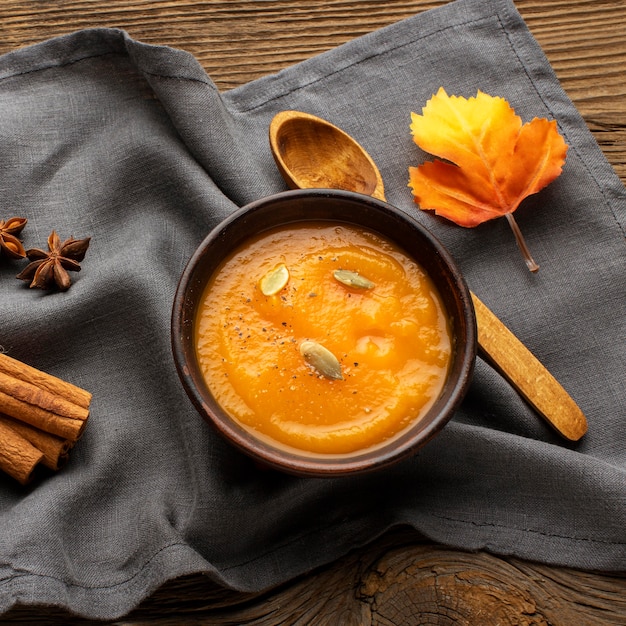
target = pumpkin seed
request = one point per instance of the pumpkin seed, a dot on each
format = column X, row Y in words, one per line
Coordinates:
column 352, row 279
column 274, row 280
column 322, row 359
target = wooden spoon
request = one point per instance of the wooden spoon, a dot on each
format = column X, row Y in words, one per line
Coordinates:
column 312, row 153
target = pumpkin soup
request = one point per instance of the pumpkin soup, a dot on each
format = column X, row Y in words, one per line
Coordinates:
column 323, row 337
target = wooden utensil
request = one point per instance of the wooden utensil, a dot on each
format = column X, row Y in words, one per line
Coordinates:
column 313, row 153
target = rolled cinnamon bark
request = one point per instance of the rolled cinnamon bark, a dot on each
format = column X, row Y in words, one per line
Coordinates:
column 55, row 449
column 21, row 371
column 42, row 400
column 65, row 427
column 32, row 394
column 41, row 417
column 18, row 457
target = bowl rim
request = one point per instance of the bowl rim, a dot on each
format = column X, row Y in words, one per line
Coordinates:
column 377, row 457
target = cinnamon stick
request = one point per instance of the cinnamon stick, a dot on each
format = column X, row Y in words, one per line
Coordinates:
column 42, row 400
column 55, row 449
column 18, row 457
column 30, row 393
column 21, row 371
column 41, row 417
column 45, row 420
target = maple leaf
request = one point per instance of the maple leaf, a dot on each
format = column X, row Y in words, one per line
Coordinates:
column 492, row 161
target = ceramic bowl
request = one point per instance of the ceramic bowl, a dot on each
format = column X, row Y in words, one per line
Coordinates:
column 341, row 206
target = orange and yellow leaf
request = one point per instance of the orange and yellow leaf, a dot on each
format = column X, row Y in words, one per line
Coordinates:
column 491, row 161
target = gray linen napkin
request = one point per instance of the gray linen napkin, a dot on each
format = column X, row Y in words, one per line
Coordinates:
column 133, row 145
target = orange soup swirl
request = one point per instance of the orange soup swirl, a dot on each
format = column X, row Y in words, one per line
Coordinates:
column 323, row 337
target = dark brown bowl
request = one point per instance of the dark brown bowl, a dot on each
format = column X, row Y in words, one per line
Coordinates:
column 355, row 209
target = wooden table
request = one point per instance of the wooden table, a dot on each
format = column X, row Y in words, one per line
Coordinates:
column 397, row 580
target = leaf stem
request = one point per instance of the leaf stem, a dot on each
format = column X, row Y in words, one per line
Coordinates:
column 521, row 243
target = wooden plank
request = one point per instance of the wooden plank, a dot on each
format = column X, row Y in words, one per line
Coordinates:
column 239, row 41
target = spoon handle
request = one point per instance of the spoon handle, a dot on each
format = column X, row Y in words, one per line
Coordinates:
column 511, row 358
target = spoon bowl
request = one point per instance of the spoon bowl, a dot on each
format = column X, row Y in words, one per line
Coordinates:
column 312, row 153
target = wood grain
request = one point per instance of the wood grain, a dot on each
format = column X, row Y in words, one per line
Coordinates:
column 507, row 354
column 397, row 580
column 239, row 41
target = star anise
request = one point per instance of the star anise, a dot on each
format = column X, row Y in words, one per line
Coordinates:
column 10, row 245
column 49, row 269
